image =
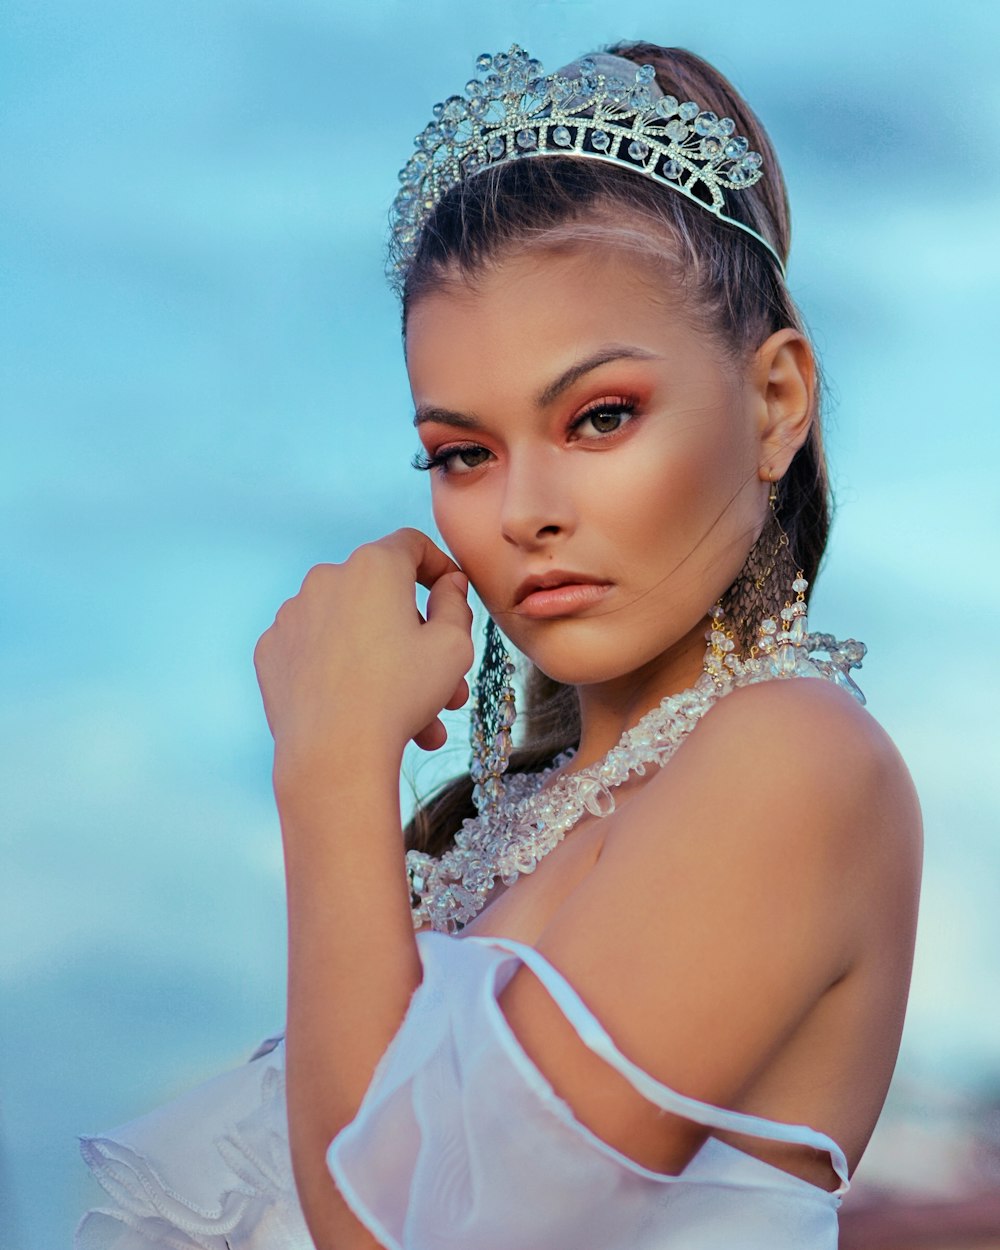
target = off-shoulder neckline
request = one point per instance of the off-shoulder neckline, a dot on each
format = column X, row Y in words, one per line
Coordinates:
column 738, row 1121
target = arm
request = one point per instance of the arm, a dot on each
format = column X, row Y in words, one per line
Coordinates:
column 349, row 672
column 352, row 961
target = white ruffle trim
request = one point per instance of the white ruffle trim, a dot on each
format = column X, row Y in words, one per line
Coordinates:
column 210, row 1170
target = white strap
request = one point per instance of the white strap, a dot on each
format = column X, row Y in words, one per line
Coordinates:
column 593, row 1034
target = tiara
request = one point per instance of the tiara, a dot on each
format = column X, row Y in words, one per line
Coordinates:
column 513, row 110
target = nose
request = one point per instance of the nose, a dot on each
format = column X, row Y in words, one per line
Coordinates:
column 537, row 506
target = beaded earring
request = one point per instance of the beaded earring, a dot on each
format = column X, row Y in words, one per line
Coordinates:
column 746, row 621
column 493, row 715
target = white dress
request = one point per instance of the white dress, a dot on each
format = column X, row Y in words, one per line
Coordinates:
column 460, row 1143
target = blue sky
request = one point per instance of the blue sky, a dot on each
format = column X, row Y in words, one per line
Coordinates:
column 202, row 394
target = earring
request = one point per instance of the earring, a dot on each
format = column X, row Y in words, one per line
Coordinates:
column 747, row 620
column 493, row 715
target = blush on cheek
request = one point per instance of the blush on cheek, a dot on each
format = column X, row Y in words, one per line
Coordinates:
column 466, row 533
column 683, row 517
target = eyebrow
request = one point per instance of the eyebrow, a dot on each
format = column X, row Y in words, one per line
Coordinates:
column 603, row 356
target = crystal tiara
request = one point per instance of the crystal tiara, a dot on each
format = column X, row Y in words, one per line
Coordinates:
column 513, row 110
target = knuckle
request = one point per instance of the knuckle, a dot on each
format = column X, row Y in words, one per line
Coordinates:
column 319, row 574
column 367, row 556
column 407, row 534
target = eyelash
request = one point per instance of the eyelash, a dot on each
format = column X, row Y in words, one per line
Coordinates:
column 614, row 407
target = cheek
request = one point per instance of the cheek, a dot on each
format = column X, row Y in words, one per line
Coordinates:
column 467, row 527
column 662, row 492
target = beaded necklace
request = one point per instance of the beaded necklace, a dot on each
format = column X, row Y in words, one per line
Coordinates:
column 531, row 819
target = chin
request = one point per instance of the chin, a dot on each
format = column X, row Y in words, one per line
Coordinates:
column 578, row 656
column 659, row 642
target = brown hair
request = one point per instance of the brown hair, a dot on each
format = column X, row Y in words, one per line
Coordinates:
column 729, row 281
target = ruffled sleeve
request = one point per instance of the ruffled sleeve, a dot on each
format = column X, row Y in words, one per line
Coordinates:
column 461, row 1142
column 210, row 1170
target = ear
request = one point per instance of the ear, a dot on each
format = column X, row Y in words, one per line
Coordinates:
column 783, row 376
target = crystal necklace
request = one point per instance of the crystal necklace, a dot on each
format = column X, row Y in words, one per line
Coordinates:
column 531, row 819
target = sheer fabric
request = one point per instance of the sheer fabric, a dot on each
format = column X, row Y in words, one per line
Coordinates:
column 211, row 1169
column 459, row 1143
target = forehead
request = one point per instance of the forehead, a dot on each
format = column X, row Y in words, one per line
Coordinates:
column 520, row 320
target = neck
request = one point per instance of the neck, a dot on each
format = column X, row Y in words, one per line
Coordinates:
column 608, row 708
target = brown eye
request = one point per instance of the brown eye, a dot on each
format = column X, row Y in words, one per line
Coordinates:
column 605, row 422
column 453, row 460
column 471, row 457
column 603, row 419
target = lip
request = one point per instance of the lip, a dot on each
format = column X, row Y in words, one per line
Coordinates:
column 558, row 593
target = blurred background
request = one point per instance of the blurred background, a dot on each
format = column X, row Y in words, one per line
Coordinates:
column 202, row 394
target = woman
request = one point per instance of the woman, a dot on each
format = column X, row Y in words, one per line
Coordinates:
column 643, row 980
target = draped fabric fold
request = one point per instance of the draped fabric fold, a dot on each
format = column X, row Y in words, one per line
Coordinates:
column 210, row 1170
column 461, row 1141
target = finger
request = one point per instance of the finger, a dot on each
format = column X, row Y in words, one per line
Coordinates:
column 429, row 562
column 460, row 697
column 447, row 604
column 432, row 737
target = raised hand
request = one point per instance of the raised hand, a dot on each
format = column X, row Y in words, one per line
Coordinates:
column 350, row 662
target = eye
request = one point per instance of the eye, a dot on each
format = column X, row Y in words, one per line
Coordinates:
column 605, row 418
column 453, row 460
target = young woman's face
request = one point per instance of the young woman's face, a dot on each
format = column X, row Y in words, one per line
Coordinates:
column 582, row 431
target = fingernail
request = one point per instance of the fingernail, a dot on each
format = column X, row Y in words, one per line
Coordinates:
column 462, row 582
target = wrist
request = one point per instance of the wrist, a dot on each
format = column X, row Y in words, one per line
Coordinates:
column 333, row 765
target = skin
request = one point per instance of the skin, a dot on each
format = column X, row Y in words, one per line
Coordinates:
column 748, row 865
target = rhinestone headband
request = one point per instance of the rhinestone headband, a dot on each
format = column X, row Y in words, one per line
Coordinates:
column 513, row 110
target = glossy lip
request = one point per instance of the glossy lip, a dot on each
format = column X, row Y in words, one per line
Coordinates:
column 558, row 593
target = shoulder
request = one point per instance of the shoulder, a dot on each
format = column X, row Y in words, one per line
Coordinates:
column 733, row 889
column 800, row 762
column 809, row 720
column 785, row 815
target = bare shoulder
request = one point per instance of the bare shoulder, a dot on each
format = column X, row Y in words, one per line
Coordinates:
column 787, row 805
column 806, row 715
column 808, row 751
column 739, row 883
